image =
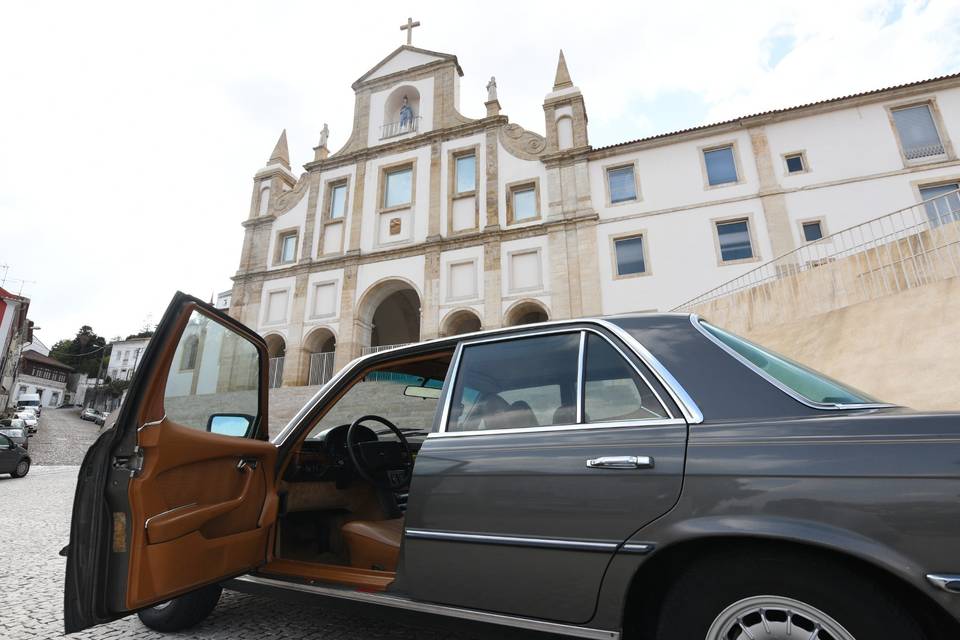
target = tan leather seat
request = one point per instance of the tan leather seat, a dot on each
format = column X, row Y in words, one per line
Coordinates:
column 374, row 544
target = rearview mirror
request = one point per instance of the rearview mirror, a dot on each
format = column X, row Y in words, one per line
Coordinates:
column 422, row 392
column 230, row 424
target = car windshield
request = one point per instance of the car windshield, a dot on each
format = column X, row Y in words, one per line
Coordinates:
column 812, row 385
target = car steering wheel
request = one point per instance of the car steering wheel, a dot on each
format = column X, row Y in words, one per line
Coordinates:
column 380, row 476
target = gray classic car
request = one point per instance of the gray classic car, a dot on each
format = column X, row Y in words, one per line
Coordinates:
column 648, row 476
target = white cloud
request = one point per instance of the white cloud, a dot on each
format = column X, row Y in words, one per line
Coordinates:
column 129, row 133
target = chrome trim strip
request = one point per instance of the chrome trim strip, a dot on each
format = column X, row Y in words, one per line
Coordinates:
column 398, row 602
column 581, row 363
column 512, row 541
column 687, row 406
column 561, row 427
column 163, row 513
column 946, row 582
column 638, row 547
column 450, row 382
column 833, row 406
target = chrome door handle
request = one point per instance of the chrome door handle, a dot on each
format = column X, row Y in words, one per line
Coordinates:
column 621, row 462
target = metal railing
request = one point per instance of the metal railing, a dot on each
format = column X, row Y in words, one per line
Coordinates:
column 276, row 372
column 365, row 351
column 392, row 129
column 321, row 367
column 908, row 248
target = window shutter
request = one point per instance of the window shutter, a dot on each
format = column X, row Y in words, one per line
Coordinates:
column 918, row 133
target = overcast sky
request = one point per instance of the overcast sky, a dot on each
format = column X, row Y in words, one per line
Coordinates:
column 130, row 132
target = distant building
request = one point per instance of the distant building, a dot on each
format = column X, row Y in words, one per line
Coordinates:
column 125, row 356
column 14, row 331
column 37, row 345
column 43, row 375
column 223, row 299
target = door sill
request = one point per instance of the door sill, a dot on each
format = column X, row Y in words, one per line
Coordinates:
column 400, row 602
column 350, row 577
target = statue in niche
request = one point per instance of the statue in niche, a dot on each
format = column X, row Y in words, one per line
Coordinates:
column 406, row 114
column 492, row 89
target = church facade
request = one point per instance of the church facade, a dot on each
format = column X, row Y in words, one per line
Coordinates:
column 429, row 223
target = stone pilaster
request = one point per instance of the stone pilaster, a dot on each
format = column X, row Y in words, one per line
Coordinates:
column 356, row 213
column 491, row 181
column 561, row 278
column 433, row 221
column 773, row 201
column 348, row 346
column 294, row 369
column 430, row 305
column 310, row 223
column 492, row 285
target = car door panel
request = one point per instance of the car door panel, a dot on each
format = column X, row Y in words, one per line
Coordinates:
column 164, row 504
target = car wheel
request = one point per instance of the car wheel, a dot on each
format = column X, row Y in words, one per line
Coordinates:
column 773, row 596
column 23, row 467
column 183, row 612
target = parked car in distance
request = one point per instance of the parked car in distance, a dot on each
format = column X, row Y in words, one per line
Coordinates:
column 645, row 477
column 29, row 419
column 89, row 414
column 101, row 418
column 16, row 430
column 14, row 459
column 30, row 401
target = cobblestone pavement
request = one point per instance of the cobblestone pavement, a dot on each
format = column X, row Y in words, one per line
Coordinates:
column 37, row 525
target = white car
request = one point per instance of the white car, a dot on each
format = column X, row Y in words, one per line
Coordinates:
column 30, row 419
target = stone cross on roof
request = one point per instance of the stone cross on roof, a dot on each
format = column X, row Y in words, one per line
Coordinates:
column 409, row 27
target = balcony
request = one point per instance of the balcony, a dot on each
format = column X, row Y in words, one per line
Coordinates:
column 394, row 129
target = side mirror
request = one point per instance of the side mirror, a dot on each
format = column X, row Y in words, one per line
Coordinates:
column 230, row 424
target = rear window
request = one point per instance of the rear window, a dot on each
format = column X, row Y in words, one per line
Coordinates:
column 806, row 382
column 29, row 403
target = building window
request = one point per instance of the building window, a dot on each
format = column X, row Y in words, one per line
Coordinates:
column 918, row 133
column 630, row 255
column 621, row 184
column 288, row 248
column 466, row 168
column 733, row 236
column 338, row 201
column 398, row 188
column 812, row 230
column 522, row 202
column 721, row 165
column 942, row 202
column 796, row 162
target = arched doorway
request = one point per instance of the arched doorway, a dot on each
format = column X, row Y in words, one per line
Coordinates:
column 318, row 349
column 277, row 350
column 389, row 316
column 460, row 322
column 526, row 312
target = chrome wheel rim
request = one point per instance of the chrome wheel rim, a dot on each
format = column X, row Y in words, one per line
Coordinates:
column 23, row 467
column 775, row 618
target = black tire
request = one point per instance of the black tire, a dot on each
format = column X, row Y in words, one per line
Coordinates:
column 182, row 613
column 699, row 597
column 22, row 469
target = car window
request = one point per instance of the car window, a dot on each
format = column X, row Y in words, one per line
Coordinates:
column 516, row 384
column 810, row 384
column 5, row 442
column 224, row 382
column 612, row 388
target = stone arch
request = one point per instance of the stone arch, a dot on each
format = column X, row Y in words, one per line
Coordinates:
column 525, row 312
column 388, row 313
column 460, row 321
column 316, row 363
column 277, row 351
column 391, row 109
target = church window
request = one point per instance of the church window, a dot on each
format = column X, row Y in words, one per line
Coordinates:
column 466, row 173
column 338, row 201
column 733, row 237
column 630, row 253
column 398, row 190
column 918, row 133
column 622, row 184
column 288, row 248
column 796, row 162
column 721, row 165
column 523, row 203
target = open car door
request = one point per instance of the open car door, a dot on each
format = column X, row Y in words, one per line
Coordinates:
column 181, row 492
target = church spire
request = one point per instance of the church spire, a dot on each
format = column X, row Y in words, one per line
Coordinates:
column 280, row 154
column 562, row 79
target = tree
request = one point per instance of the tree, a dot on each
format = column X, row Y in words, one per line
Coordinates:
column 84, row 352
